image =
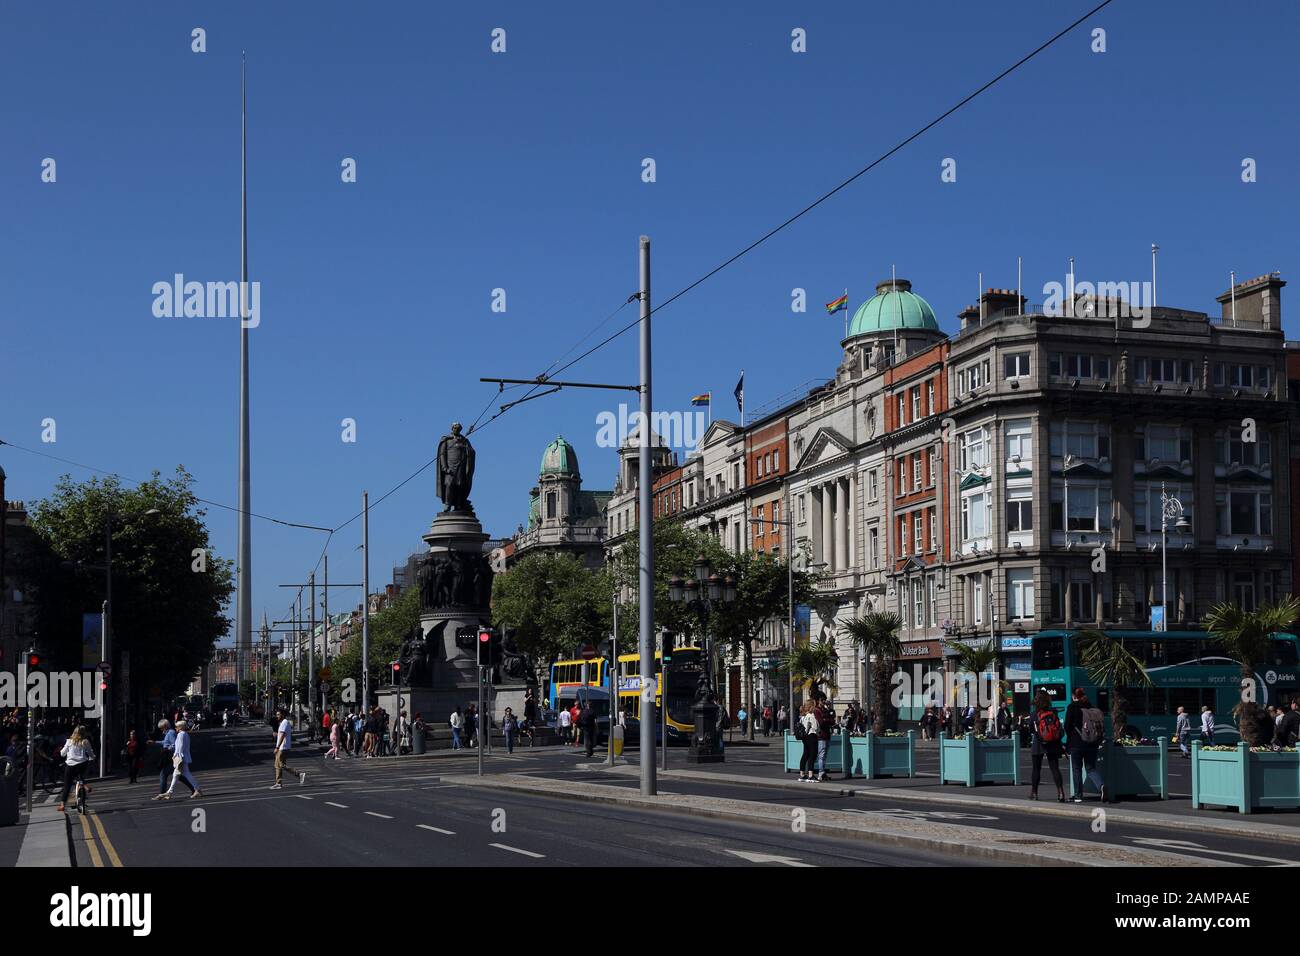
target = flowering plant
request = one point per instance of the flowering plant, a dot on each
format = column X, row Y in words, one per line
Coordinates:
column 1131, row 742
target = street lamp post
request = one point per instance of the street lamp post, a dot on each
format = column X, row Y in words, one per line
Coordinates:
column 1170, row 509
column 707, row 592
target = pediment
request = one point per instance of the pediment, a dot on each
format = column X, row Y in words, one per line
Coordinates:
column 827, row 445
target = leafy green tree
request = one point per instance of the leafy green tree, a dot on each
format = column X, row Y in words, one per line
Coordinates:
column 877, row 633
column 813, row 665
column 166, row 614
column 1246, row 636
column 552, row 603
column 973, row 659
column 1112, row 665
column 389, row 629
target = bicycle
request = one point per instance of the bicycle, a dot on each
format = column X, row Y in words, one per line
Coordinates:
column 82, row 791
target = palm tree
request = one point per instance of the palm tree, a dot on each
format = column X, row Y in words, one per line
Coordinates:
column 1245, row 636
column 812, row 665
column 877, row 634
column 974, row 659
column 1112, row 665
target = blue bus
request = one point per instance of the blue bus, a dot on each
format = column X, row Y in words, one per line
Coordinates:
column 1188, row 669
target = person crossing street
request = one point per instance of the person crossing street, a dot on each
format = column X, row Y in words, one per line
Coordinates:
column 283, row 742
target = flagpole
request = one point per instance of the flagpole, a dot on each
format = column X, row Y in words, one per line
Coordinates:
column 846, row 314
column 893, row 278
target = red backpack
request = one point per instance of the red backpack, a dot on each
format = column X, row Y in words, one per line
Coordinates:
column 1049, row 727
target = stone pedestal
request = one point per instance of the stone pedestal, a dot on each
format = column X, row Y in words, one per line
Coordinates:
column 454, row 606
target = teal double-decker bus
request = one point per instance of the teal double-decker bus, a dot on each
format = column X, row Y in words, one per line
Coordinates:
column 1188, row 669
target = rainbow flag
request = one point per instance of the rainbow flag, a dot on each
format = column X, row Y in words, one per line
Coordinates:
column 842, row 303
column 705, row 399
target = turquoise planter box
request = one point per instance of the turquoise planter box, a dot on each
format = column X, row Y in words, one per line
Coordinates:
column 836, row 748
column 1138, row 771
column 971, row 761
column 1245, row 780
column 873, row 756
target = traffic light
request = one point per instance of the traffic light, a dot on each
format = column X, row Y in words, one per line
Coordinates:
column 34, row 660
column 397, row 671
column 669, row 640
column 484, row 647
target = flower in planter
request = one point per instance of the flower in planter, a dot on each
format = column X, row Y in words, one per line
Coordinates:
column 1273, row 749
column 1135, row 742
column 1221, row 748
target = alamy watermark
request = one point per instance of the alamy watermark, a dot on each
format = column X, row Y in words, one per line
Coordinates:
column 208, row 300
column 672, row 429
column 77, row 690
column 938, row 688
column 1085, row 300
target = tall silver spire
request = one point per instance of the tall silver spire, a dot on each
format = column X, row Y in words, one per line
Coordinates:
column 243, row 573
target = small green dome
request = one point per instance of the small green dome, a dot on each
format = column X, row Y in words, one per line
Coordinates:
column 560, row 459
column 894, row 306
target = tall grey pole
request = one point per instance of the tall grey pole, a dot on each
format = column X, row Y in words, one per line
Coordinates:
column 311, row 664
column 103, row 699
column 244, row 561
column 1164, row 550
column 106, row 646
column 297, row 638
column 646, row 535
column 365, row 599
column 325, row 647
column 613, row 683
column 478, row 718
column 789, row 600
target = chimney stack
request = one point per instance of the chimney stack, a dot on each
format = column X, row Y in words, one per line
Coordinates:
column 1259, row 302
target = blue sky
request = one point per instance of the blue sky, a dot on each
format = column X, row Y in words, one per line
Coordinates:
column 522, row 171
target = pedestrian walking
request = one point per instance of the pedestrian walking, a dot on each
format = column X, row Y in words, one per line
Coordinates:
column 334, row 741
column 805, row 729
column 471, row 725
column 457, row 723
column 574, row 713
column 743, row 717
column 181, row 764
column 1182, row 731
column 283, row 743
column 781, row 716
column 587, row 722
column 1085, row 729
column 767, row 720
column 166, row 764
column 1207, row 726
column 511, row 728
column 564, row 720
column 825, row 717
column 134, row 756
column 1046, row 744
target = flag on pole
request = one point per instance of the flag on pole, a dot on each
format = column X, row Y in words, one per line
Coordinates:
column 740, row 395
column 839, row 305
column 705, row 399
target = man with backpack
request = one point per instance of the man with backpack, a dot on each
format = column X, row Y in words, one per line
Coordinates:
column 1085, row 729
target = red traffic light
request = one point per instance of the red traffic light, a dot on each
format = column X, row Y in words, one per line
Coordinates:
column 484, row 637
column 33, row 660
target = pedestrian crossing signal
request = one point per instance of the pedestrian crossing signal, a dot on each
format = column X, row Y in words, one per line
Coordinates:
column 33, row 660
column 484, row 648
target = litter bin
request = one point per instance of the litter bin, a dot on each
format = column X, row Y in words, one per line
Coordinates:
column 417, row 740
column 8, row 792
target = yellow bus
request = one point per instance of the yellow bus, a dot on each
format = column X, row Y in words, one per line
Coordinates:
column 567, row 676
column 683, row 676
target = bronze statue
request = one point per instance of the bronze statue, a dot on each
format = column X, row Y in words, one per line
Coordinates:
column 455, row 470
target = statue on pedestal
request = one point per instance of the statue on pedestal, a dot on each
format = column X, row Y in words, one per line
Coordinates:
column 455, row 470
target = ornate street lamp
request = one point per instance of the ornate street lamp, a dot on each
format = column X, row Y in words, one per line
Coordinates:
column 1171, row 509
column 701, row 596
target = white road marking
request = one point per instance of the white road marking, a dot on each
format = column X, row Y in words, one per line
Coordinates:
column 1201, row 848
column 515, row 849
column 425, row 826
column 382, row 816
column 331, row 803
column 769, row 858
column 301, row 796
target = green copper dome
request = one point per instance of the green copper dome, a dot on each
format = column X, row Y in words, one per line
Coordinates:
column 894, row 306
column 560, row 459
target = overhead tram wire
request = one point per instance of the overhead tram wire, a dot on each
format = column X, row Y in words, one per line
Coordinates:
column 825, row 196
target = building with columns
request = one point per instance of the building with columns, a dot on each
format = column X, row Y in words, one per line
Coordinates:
column 1007, row 479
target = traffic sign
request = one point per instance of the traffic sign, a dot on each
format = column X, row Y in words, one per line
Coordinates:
column 324, row 673
column 588, row 652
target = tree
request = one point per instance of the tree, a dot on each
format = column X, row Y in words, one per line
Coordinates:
column 553, row 603
column 169, row 586
column 1246, row 636
column 1112, row 665
column 877, row 634
column 973, row 659
column 812, row 665
column 389, row 629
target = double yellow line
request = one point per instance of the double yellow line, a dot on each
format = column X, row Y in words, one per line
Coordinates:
column 95, row 858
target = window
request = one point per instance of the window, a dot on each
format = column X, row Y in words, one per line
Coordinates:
column 873, row 548
column 1250, row 512
column 917, row 467
column 932, row 598
column 974, row 449
column 934, row 466
column 1089, row 507
column 918, row 605
column 873, row 484
column 934, row 530
column 550, row 504
column 1080, row 439
column 1082, row 514
column 767, row 464
column 1020, row 593
column 776, row 460
column 902, row 536
column 803, row 508
column 902, row 409
column 1220, row 374
column 1054, row 364
column 977, row 599
column 1243, row 590
column 973, row 376
column 1146, row 505
column 736, row 475
column 1163, row 442
column 1243, row 376
column 1020, row 509
column 918, row 541
column 929, row 398
column 974, row 515
column 900, row 471
column 1078, row 366
column 1048, row 653
column 1020, row 440
column 1056, row 604
column 758, row 522
column 1015, row 365
column 916, row 403
column 1082, row 604
column 1230, row 449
